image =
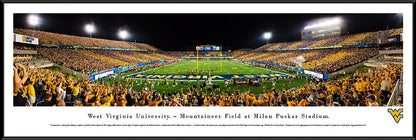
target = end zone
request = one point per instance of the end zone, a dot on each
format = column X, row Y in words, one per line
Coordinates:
column 203, row 77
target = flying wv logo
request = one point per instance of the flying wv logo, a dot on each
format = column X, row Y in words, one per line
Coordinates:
column 396, row 114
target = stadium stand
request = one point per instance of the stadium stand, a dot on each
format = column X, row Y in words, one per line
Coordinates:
column 318, row 43
column 296, row 44
column 397, row 31
column 88, row 61
column 47, row 38
column 93, row 61
column 266, row 47
column 361, row 38
column 56, row 89
column 42, row 87
column 324, row 61
column 238, row 53
column 391, row 58
column 355, row 39
column 279, row 46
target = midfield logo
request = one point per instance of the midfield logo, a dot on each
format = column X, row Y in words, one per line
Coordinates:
column 396, row 114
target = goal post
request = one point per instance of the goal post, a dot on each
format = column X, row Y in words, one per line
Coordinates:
column 197, row 56
column 208, row 48
column 221, row 58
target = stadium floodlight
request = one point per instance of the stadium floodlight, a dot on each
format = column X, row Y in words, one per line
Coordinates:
column 33, row 20
column 334, row 21
column 123, row 34
column 89, row 28
column 267, row 36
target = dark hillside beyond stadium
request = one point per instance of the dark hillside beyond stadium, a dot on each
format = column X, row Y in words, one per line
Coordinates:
column 181, row 32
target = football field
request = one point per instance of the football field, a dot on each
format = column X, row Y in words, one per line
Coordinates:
column 228, row 67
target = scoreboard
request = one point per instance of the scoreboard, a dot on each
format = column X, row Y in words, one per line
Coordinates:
column 208, row 48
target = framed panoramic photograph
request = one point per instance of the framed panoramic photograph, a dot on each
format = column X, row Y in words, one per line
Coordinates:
column 208, row 70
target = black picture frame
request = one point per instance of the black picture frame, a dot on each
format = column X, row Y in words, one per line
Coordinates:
column 197, row 1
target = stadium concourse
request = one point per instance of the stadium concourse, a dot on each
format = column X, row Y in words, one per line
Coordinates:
column 79, row 58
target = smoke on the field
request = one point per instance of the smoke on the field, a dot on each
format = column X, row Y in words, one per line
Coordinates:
column 299, row 60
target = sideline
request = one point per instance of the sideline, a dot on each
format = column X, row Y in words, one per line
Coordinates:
column 139, row 72
column 219, row 77
column 269, row 69
column 150, row 69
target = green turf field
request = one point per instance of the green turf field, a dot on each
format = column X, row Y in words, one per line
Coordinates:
column 160, row 86
column 228, row 67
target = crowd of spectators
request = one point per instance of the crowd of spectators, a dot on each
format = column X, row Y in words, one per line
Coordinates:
column 94, row 61
column 392, row 58
column 23, row 53
column 182, row 54
column 381, row 34
column 24, row 58
column 356, row 39
column 397, row 31
column 324, row 61
column 361, row 38
column 125, row 59
column 177, row 54
column 237, row 53
column 42, row 87
column 268, row 66
column 392, row 47
column 49, row 38
column 17, row 46
column 341, row 60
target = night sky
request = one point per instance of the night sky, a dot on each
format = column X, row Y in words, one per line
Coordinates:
column 182, row 31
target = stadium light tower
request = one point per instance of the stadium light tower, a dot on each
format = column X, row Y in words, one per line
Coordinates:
column 34, row 21
column 89, row 28
column 334, row 21
column 123, row 34
column 267, row 36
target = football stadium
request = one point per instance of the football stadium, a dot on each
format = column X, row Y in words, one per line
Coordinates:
column 327, row 66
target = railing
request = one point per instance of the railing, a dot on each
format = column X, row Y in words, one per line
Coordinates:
column 391, row 52
column 17, row 51
column 33, row 60
column 398, row 90
column 194, row 57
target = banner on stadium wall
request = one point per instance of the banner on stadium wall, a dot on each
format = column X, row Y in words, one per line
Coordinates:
column 314, row 74
column 391, row 39
column 120, row 69
column 208, row 48
column 280, row 65
column 326, row 76
column 142, row 64
column 203, row 77
column 26, row 39
column 358, row 45
column 100, row 75
column 117, row 70
column 104, row 74
column 91, row 77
